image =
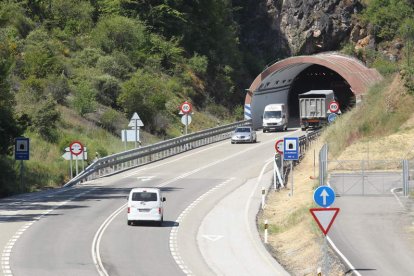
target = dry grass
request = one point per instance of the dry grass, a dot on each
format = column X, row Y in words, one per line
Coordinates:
column 385, row 132
column 294, row 237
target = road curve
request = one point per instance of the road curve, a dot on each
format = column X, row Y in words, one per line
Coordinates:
column 52, row 233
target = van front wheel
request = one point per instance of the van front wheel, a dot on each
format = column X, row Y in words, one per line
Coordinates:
column 129, row 222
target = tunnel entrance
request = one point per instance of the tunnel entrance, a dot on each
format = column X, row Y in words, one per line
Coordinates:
column 317, row 77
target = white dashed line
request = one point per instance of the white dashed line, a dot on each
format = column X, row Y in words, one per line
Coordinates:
column 7, row 250
column 174, row 231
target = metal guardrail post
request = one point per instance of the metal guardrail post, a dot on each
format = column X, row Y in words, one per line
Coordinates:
column 405, row 166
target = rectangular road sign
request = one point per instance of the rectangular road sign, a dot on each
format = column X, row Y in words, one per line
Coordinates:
column 291, row 148
column 21, row 148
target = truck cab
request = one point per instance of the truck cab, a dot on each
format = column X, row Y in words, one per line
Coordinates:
column 275, row 117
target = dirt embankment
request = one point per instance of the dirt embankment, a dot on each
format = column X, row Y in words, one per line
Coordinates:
column 294, row 238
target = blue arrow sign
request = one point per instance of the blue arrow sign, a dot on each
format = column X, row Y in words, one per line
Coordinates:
column 324, row 196
column 332, row 117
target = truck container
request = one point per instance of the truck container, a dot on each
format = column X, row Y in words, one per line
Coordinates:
column 314, row 108
column 275, row 117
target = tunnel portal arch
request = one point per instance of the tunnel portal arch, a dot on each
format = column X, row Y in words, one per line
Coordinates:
column 283, row 81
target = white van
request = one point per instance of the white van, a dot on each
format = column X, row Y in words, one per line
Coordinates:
column 145, row 204
column 275, row 117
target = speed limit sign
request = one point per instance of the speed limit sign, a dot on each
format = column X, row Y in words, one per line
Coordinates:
column 186, row 107
column 76, row 148
column 334, row 106
column 279, row 146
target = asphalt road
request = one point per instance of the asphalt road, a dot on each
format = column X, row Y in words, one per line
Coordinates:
column 64, row 232
column 373, row 231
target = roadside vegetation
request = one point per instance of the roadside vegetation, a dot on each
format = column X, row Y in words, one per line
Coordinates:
column 382, row 121
column 79, row 69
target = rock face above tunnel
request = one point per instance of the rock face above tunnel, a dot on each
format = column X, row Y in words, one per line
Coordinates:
column 313, row 26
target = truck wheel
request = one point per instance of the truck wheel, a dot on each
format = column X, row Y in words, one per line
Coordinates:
column 264, row 130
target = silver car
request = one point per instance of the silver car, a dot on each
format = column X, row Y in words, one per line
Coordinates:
column 243, row 134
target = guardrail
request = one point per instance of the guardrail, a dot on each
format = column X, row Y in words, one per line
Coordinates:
column 304, row 143
column 137, row 157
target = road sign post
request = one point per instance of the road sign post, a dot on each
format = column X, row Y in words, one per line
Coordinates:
column 76, row 148
column 135, row 123
column 324, row 217
column 186, row 109
column 22, row 152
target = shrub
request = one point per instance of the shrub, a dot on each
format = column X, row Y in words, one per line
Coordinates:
column 45, row 119
column 88, row 57
column 116, row 65
column 198, row 64
column 108, row 89
column 59, row 88
column 120, row 33
column 84, row 101
column 108, row 120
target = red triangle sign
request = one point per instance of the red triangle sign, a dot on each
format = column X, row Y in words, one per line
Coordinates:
column 324, row 217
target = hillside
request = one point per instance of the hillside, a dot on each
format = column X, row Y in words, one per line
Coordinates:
column 78, row 69
column 289, row 218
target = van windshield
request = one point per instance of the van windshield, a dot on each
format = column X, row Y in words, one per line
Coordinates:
column 144, row 196
column 272, row 114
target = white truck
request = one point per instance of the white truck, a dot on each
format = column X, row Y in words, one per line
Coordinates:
column 314, row 107
column 275, row 117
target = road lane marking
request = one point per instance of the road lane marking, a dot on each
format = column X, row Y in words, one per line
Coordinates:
column 351, row 267
column 5, row 257
column 213, row 238
column 173, row 234
column 174, row 231
column 246, row 213
column 96, row 256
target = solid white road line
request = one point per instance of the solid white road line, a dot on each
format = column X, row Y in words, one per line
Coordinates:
column 101, row 230
column 96, row 256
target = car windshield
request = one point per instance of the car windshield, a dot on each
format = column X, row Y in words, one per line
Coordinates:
column 272, row 114
column 144, row 196
column 242, row 129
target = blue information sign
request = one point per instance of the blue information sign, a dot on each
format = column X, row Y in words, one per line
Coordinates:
column 324, row 196
column 291, row 148
column 21, row 148
column 332, row 117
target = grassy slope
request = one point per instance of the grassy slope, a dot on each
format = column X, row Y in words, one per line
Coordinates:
column 47, row 169
column 385, row 119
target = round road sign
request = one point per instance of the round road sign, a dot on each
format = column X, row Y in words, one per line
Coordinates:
column 324, row 196
column 186, row 119
column 334, row 106
column 186, row 107
column 76, row 148
column 332, row 117
column 279, row 146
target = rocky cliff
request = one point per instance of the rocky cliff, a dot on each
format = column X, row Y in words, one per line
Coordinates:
column 303, row 26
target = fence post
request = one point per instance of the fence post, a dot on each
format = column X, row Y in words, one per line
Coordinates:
column 405, row 177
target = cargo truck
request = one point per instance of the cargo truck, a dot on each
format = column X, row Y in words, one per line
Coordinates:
column 275, row 117
column 314, row 108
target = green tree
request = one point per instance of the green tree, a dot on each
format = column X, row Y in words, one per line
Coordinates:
column 146, row 93
column 9, row 128
column 120, row 33
column 85, row 98
column 45, row 119
column 75, row 16
column 386, row 16
column 117, row 64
